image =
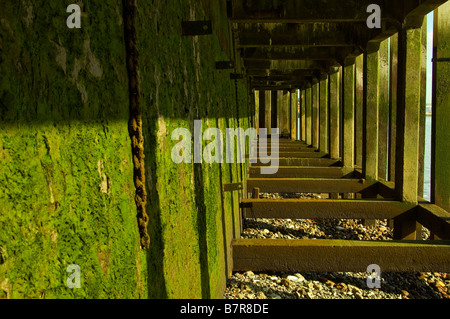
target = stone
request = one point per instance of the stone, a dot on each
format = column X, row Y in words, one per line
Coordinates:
column 292, row 278
column 285, row 282
column 300, row 277
column 249, row 273
column 354, row 289
column 275, row 296
column 261, row 295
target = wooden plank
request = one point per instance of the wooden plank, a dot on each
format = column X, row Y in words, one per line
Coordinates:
column 283, row 154
column 436, row 219
column 317, row 162
column 324, row 208
column 302, row 172
column 308, row 111
column 308, row 185
column 339, row 255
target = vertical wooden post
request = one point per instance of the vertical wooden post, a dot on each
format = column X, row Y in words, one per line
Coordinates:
column 408, row 116
column 308, row 114
column 359, row 96
column 294, row 114
column 274, row 110
column 323, row 111
column 393, row 107
column 315, row 113
column 334, row 114
column 383, row 123
column 348, row 118
column 423, row 108
column 441, row 110
column 255, row 193
column 283, row 105
column 371, row 111
column 371, row 89
column 303, row 115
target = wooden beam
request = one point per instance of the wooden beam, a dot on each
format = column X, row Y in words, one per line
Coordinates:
column 325, row 208
column 323, row 115
column 309, row 185
column 316, row 162
column 408, row 113
column 359, row 67
column 441, row 111
column 302, row 172
column 334, row 118
column 349, row 115
column 383, row 115
column 436, row 219
column 315, row 114
column 393, row 107
column 371, row 107
column 339, row 255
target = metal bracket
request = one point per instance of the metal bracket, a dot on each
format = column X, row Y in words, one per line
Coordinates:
column 223, row 65
column 232, row 187
column 192, row 28
column 440, row 60
column 236, row 76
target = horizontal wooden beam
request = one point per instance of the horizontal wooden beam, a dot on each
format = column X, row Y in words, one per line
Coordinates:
column 316, row 162
column 436, row 219
column 309, row 185
column 299, row 53
column 306, row 11
column 339, row 255
column 324, row 208
column 301, row 154
column 302, row 172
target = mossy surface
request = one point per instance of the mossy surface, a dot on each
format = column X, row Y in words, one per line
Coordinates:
column 66, row 194
column 66, row 173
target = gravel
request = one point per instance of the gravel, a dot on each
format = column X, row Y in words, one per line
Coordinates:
column 345, row 285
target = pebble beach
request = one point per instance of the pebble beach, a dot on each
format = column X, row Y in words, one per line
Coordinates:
column 346, row 285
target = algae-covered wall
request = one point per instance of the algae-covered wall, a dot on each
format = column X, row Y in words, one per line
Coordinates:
column 191, row 219
column 66, row 171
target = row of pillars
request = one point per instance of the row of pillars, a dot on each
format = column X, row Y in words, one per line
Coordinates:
column 370, row 112
column 278, row 109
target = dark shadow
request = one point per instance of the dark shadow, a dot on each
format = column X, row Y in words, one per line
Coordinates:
column 201, row 228
column 155, row 254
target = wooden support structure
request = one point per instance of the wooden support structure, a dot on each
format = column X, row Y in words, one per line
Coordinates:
column 441, row 110
column 323, row 114
column 308, row 115
column 348, row 92
column 324, row 209
column 383, row 112
column 339, row 255
column 359, row 101
column 309, row 185
column 303, row 115
column 303, row 172
column 315, row 114
column 362, row 118
column 370, row 111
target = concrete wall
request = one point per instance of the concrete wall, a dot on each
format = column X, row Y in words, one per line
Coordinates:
column 66, row 173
